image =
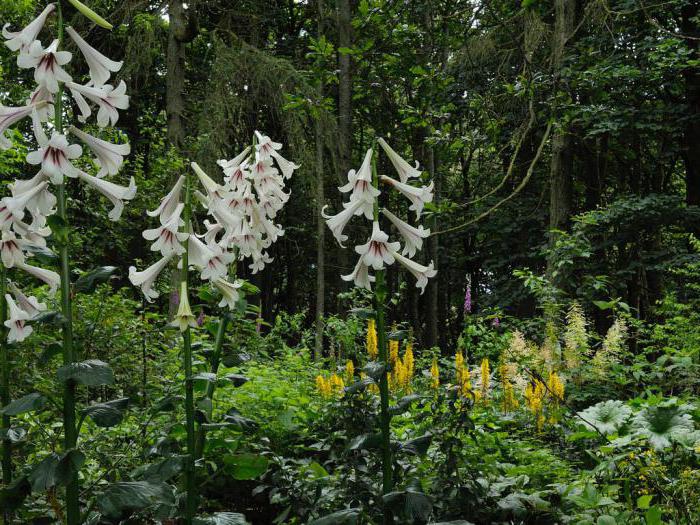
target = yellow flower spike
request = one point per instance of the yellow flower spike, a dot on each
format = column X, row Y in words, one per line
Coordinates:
column 485, row 379
column 372, row 346
column 337, row 385
column 323, row 386
column 349, row 371
column 393, row 351
column 534, row 395
column 509, row 401
column 434, row 374
column 408, row 360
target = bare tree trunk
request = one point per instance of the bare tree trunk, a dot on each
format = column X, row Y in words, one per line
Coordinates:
column 320, row 225
column 561, row 165
column 691, row 135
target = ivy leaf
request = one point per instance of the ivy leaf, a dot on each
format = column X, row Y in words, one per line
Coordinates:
column 29, row 403
column 92, row 372
column 88, row 281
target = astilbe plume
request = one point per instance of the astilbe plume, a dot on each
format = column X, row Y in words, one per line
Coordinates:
column 575, row 337
column 23, row 215
column 612, row 348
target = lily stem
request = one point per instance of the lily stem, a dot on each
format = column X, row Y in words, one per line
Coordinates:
column 70, row 430
column 5, row 385
column 190, row 485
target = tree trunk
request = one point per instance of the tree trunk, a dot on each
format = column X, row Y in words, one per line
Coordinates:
column 320, row 225
column 561, row 165
column 691, row 135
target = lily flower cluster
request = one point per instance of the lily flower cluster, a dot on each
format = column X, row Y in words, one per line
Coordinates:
column 378, row 251
column 240, row 223
column 23, row 214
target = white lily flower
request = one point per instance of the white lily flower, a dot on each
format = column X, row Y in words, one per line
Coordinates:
column 217, row 265
column 108, row 99
column 413, row 237
column 265, row 226
column 12, row 208
column 287, row 167
column 360, row 183
column 11, row 249
column 114, row 192
column 417, row 196
column 259, row 262
column 360, row 275
column 47, row 64
column 184, row 318
column 29, row 304
column 235, row 169
column 403, row 168
column 100, row 66
column 198, row 253
column 229, row 292
column 262, row 167
column 42, row 203
column 265, row 146
column 169, row 203
column 18, row 318
column 168, row 239
column 377, row 250
column 420, row 272
column 49, row 277
column 22, row 40
column 9, row 116
column 54, row 155
column 213, row 230
column 110, row 157
column 146, row 278
column 337, row 222
column 34, row 233
column 42, row 99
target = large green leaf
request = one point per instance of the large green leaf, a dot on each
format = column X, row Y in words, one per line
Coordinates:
column 222, row 518
column 342, row 517
column 107, row 414
column 123, row 497
column 417, row 446
column 235, row 418
column 28, row 403
column 163, row 470
column 13, row 495
column 247, row 466
column 88, row 281
column 365, row 442
column 403, row 404
column 92, row 372
column 374, row 369
column 55, row 470
column 411, row 502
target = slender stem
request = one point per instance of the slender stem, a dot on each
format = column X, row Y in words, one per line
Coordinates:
column 5, row 382
column 380, row 294
column 70, row 431
column 190, row 487
column 211, row 386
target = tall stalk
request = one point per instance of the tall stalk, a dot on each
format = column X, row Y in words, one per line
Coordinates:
column 5, row 381
column 70, row 430
column 380, row 294
column 190, row 487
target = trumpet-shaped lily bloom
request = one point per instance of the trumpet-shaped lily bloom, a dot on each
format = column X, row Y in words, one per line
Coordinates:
column 17, row 322
column 287, row 167
column 229, row 292
column 360, row 183
column 47, row 64
column 420, row 272
column 168, row 240
column 34, row 233
column 235, row 170
column 184, row 318
column 169, row 203
column 54, row 155
column 9, row 116
column 100, row 66
column 403, row 168
column 417, row 196
column 259, row 262
column 11, row 249
column 12, row 208
column 22, row 40
column 377, row 250
column 42, row 203
column 337, row 222
column 217, row 265
column 147, row 278
column 209, row 184
column 49, row 277
column 110, row 157
column 114, row 192
column 108, row 99
column 412, row 237
column 29, row 304
column 360, row 275
column 266, row 146
column 42, row 100
column 199, row 253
